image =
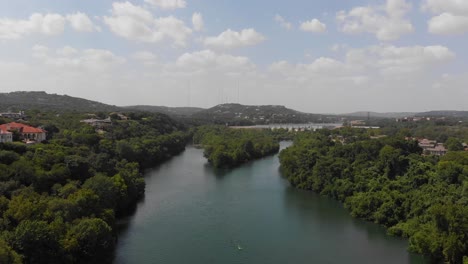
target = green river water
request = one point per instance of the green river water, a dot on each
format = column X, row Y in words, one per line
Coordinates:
column 193, row 214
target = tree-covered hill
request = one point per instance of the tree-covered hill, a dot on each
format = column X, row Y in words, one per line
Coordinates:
column 237, row 114
column 43, row 101
column 364, row 114
column 445, row 113
column 170, row 111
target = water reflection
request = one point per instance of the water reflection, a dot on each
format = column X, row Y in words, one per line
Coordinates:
column 195, row 214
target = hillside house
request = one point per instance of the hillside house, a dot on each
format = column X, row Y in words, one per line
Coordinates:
column 10, row 115
column 426, row 143
column 438, row 150
column 5, row 136
column 28, row 133
column 98, row 123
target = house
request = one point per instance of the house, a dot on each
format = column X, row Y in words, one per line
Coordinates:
column 28, row 133
column 98, row 123
column 426, row 143
column 357, row 123
column 438, row 150
column 5, row 136
column 10, row 115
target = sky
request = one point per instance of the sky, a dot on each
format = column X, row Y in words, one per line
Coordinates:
column 315, row 56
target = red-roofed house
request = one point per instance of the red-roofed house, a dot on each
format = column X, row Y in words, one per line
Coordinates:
column 28, row 133
column 5, row 136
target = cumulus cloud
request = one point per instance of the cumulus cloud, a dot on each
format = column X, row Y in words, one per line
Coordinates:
column 230, row 39
column 207, row 61
column 394, row 61
column 448, row 24
column 146, row 57
column 50, row 24
column 68, row 58
column 168, row 4
column 45, row 24
column 283, row 22
column 313, row 25
column 136, row 23
column 385, row 61
column 197, row 22
column 386, row 22
column 451, row 16
column 459, row 7
column 81, row 22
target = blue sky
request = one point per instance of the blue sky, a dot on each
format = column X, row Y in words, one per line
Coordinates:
column 316, row 56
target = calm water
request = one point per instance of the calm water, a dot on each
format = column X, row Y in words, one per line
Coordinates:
column 192, row 214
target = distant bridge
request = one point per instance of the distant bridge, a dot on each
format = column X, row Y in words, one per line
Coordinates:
column 293, row 127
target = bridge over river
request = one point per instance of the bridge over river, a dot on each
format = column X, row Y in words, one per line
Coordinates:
column 294, row 127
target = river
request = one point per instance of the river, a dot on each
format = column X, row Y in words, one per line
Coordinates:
column 196, row 215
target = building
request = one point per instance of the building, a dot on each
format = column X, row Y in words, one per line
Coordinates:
column 98, row 123
column 5, row 136
column 10, row 115
column 28, row 133
column 426, row 143
column 438, row 150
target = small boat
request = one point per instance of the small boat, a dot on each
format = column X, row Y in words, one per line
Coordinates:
column 239, row 247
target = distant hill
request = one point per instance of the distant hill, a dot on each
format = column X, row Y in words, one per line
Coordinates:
column 238, row 114
column 445, row 113
column 17, row 101
column 171, row 111
column 381, row 115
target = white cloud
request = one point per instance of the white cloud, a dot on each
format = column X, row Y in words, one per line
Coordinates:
column 448, row 24
column 145, row 57
column 209, row 61
column 283, row 22
column 197, row 22
column 167, row 4
column 81, row 22
column 362, row 64
column 313, row 25
column 394, row 61
column 70, row 59
column 230, row 39
column 48, row 24
column 138, row 24
column 451, row 18
column 387, row 22
column 458, row 7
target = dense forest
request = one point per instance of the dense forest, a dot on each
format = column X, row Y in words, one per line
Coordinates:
column 59, row 200
column 227, row 147
column 389, row 182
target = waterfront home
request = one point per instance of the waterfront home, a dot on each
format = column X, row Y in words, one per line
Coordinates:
column 27, row 133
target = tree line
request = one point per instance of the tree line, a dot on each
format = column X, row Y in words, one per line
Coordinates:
column 59, row 200
column 388, row 181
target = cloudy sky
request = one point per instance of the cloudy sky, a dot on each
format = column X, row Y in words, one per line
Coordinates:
column 318, row 56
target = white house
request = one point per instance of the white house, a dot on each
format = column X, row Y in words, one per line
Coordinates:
column 5, row 136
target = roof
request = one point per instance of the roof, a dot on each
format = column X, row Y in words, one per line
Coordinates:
column 21, row 127
column 3, row 132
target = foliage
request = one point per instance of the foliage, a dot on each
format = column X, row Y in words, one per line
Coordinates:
column 388, row 182
column 59, row 199
column 226, row 147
